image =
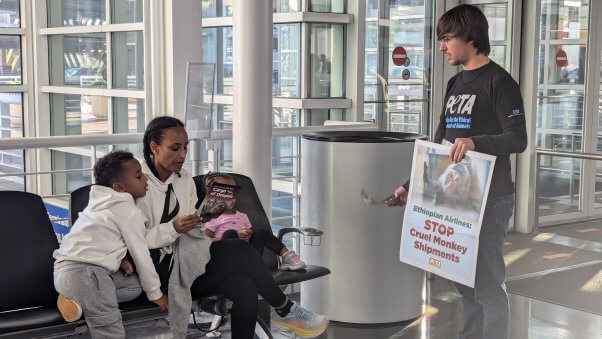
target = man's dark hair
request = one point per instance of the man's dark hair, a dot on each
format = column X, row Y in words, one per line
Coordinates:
column 154, row 132
column 110, row 167
column 468, row 23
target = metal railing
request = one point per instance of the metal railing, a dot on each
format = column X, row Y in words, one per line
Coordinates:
column 213, row 145
column 553, row 153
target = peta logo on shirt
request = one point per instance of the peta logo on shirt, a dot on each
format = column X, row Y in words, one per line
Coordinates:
column 460, row 104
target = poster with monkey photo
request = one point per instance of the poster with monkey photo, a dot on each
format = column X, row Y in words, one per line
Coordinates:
column 444, row 211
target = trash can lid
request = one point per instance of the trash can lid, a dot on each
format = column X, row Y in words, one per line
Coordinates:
column 363, row 136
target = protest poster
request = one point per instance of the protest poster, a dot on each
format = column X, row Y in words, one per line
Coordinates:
column 444, row 211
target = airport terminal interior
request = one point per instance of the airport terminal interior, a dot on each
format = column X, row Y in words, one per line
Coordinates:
column 321, row 104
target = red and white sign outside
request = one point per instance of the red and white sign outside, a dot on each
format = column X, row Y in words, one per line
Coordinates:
column 399, row 56
column 561, row 59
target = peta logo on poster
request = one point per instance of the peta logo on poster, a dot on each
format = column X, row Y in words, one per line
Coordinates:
column 460, row 104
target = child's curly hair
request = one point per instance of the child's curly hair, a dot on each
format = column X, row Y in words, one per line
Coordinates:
column 110, row 167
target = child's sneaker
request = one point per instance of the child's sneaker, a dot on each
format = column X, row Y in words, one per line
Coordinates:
column 69, row 309
column 291, row 261
column 301, row 321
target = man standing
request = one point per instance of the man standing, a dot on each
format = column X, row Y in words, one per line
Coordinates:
column 488, row 100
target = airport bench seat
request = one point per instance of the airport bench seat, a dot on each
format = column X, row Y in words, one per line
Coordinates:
column 28, row 305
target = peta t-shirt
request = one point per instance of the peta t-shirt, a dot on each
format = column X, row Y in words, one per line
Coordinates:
column 486, row 105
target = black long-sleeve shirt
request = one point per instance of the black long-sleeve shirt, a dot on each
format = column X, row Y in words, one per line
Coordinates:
column 485, row 104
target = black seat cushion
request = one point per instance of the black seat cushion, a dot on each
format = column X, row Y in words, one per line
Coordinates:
column 28, row 241
column 30, row 318
column 291, row 277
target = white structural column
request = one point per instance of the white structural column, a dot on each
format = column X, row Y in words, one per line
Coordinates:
column 252, row 131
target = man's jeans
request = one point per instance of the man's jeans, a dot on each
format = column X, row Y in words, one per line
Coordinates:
column 485, row 308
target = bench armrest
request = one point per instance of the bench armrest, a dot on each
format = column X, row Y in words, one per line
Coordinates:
column 306, row 231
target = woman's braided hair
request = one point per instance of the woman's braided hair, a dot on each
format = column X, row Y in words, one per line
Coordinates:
column 154, row 132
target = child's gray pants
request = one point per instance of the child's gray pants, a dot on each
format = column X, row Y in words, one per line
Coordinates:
column 97, row 291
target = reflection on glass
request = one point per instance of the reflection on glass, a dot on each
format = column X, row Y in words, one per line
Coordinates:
column 76, row 13
column 218, row 48
column 558, row 186
column 10, row 60
column 328, row 6
column 598, row 193
column 561, row 110
column 283, row 149
column 10, row 14
column 65, row 183
column 11, row 126
column 128, row 60
column 326, row 61
column 498, row 55
column 565, row 19
column 285, row 117
column 73, row 114
column 216, row 8
column 574, row 71
column 285, row 6
column 286, row 60
column 78, row 60
column 126, row 11
column 496, row 15
column 222, row 116
column 128, row 117
column 317, row 117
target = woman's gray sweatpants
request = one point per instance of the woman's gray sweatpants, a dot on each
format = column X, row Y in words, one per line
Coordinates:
column 97, row 291
column 485, row 307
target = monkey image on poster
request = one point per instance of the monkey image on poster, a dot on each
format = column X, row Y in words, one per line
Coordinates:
column 450, row 186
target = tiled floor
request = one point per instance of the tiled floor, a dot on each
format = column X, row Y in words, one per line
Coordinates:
column 528, row 258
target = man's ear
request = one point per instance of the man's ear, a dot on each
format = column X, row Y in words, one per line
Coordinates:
column 118, row 186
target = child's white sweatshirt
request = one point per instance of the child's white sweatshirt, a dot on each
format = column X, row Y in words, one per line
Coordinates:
column 108, row 227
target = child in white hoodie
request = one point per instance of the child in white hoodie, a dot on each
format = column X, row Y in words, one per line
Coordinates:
column 86, row 270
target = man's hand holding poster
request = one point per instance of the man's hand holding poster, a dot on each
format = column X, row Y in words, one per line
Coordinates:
column 443, row 215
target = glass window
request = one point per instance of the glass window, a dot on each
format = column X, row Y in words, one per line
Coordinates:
column 286, row 70
column 574, row 70
column 65, row 183
column 73, row 114
column 326, row 61
column 128, row 60
column 222, row 116
column 126, row 11
column 11, row 126
column 78, row 60
column 76, row 13
column 564, row 19
column 10, row 60
column 10, row 14
column 218, row 49
column 286, row 117
column 217, row 8
column 283, row 6
column 317, row 117
column 329, row 6
column 128, row 117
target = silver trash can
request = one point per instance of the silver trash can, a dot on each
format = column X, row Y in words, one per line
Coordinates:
column 368, row 283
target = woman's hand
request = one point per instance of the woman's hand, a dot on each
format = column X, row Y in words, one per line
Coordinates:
column 401, row 197
column 186, row 223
